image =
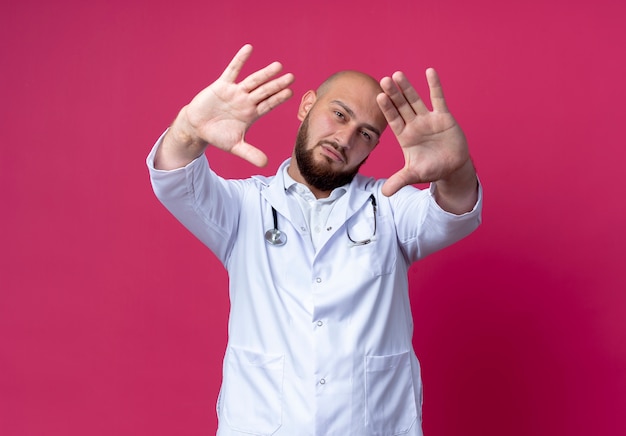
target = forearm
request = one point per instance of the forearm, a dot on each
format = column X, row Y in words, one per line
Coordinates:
column 458, row 193
column 206, row 204
column 180, row 146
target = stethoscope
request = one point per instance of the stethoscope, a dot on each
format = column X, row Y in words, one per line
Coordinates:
column 277, row 237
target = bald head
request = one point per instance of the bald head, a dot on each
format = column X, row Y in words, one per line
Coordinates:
column 349, row 78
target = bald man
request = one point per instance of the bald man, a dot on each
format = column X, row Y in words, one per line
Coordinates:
column 320, row 325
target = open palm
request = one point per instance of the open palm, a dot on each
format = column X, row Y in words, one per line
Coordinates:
column 222, row 113
column 433, row 144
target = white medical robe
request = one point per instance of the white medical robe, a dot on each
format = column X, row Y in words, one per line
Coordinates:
column 319, row 341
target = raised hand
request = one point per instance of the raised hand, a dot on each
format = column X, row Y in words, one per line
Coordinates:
column 221, row 114
column 433, row 144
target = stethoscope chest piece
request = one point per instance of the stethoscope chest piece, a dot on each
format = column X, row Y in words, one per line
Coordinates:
column 275, row 237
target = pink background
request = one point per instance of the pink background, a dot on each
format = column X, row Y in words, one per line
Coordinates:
column 113, row 317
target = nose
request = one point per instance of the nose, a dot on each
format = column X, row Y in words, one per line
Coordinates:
column 345, row 137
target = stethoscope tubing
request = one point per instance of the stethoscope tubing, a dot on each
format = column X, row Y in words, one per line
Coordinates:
column 277, row 237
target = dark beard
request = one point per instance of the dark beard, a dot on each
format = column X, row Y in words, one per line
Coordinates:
column 322, row 178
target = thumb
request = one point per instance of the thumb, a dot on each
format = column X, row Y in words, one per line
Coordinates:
column 250, row 153
column 394, row 183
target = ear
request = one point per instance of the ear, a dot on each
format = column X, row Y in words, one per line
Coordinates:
column 308, row 99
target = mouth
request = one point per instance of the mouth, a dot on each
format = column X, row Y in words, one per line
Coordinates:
column 333, row 153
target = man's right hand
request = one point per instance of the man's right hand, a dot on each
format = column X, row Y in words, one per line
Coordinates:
column 222, row 113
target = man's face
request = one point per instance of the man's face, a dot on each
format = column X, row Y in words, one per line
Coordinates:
column 338, row 133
